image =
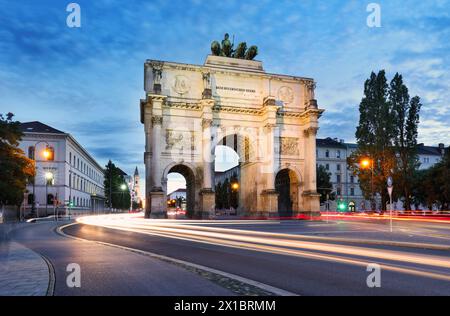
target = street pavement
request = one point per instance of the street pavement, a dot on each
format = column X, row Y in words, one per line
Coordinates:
column 277, row 254
column 106, row 270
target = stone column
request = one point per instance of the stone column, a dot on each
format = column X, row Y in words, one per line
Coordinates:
column 157, row 196
column 311, row 198
column 269, row 194
column 146, row 119
column 207, row 193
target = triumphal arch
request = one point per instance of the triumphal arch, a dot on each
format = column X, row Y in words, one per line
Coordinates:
column 270, row 121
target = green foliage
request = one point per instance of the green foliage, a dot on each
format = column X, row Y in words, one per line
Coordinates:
column 116, row 197
column 432, row 186
column 15, row 168
column 375, row 134
column 406, row 120
column 324, row 186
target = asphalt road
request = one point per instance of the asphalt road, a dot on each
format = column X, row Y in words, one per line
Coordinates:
column 287, row 255
column 106, row 270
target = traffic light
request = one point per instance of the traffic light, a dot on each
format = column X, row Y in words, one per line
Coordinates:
column 341, row 206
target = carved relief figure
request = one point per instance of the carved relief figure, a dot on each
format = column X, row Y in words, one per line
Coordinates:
column 286, row 94
column 181, row 84
column 182, row 140
column 206, row 80
column 289, row 146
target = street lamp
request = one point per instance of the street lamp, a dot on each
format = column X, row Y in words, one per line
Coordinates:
column 367, row 163
column 48, row 178
column 46, row 153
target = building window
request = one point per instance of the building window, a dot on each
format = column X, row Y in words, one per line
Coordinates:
column 352, row 179
column 338, row 191
column 426, row 160
column 70, row 158
column 338, row 154
column 327, row 153
column 30, row 199
column 338, row 167
column 338, row 178
column 327, row 166
column 352, row 191
column 50, row 199
column 51, row 155
column 31, row 152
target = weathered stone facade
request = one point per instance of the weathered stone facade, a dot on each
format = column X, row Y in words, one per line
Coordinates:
column 270, row 120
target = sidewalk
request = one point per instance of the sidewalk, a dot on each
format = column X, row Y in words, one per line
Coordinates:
column 23, row 272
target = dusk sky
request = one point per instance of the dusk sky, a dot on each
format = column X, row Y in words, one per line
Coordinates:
column 88, row 81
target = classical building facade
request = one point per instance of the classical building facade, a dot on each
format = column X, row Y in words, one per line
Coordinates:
column 77, row 179
column 332, row 153
column 270, row 121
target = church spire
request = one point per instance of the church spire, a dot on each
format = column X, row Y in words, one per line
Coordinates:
column 136, row 173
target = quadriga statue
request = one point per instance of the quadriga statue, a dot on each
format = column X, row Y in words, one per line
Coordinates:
column 251, row 52
column 227, row 46
column 240, row 50
column 226, row 49
column 215, row 48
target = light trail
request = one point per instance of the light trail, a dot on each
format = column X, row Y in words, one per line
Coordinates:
column 276, row 243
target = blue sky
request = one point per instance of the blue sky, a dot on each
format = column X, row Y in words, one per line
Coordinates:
column 88, row 81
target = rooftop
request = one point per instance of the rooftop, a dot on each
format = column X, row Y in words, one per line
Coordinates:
column 38, row 127
column 330, row 142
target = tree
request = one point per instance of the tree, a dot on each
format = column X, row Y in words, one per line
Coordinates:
column 432, row 186
column 324, row 186
column 15, row 168
column 406, row 118
column 375, row 134
column 116, row 196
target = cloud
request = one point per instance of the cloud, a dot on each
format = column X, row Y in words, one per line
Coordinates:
column 88, row 81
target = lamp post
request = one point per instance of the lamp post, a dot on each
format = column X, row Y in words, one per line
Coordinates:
column 48, row 178
column 365, row 164
column 122, row 188
column 46, row 154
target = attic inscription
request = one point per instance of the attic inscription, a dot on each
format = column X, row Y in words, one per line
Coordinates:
column 235, row 89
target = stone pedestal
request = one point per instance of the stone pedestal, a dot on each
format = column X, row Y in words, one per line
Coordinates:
column 311, row 202
column 208, row 203
column 270, row 203
column 157, row 205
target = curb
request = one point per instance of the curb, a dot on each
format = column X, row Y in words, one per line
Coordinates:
column 265, row 288
column 51, row 276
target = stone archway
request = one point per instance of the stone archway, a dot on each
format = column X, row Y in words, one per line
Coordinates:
column 241, row 145
column 287, row 187
column 189, row 109
column 189, row 176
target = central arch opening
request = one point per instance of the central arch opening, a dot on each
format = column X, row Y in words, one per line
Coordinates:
column 232, row 154
column 286, row 185
column 181, row 190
